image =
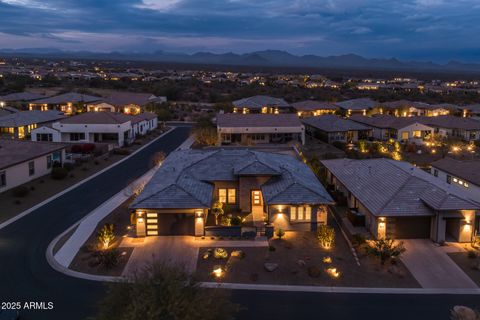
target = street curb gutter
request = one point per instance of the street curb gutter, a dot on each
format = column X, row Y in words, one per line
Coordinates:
column 46, row 201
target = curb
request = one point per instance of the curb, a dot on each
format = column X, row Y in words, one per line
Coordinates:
column 48, row 200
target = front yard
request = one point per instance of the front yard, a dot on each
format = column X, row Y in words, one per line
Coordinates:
column 469, row 262
column 298, row 259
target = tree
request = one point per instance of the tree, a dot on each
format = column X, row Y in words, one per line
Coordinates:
column 326, row 235
column 385, row 249
column 217, row 211
column 158, row 158
column 206, row 136
column 106, row 235
column 162, row 292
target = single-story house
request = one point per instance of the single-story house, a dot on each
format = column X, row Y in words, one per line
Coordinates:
column 69, row 103
column 400, row 201
column 467, row 129
column 19, row 125
column 331, row 128
column 114, row 128
column 125, row 102
column 275, row 188
column 19, row 99
column 246, row 129
column 261, row 104
column 361, row 106
column 22, row 161
column 472, row 110
column 314, row 108
column 465, row 174
column 405, row 108
column 385, row 127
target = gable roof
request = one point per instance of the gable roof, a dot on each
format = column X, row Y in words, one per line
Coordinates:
column 312, row 105
column 72, row 97
column 13, row 151
column 468, row 170
column 395, row 188
column 21, row 96
column 97, row 118
column 358, row 104
column 450, row 122
column 385, row 121
column 25, row 118
column 191, row 173
column 259, row 101
column 257, row 120
column 331, row 123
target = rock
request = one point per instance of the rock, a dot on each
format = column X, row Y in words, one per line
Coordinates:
column 238, row 253
column 301, row 263
column 270, row 266
column 464, row 313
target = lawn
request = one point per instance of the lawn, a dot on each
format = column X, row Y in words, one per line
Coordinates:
column 471, row 266
column 301, row 261
column 86, row 259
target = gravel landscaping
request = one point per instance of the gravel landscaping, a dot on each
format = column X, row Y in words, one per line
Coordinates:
column 469, row 265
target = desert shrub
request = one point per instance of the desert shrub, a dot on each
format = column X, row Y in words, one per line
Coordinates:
column 326, row 235
column 68, row 166
column 314, row 271
column 385, row 249
column 106, row 235
column 280, row 233
column 121, row 151
column 108, row 258
column 20, row 191
column 226, row 221
column 59, row 173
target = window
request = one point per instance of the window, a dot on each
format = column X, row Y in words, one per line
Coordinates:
column 232, row 195
column 3, row 179
column 417, row 134
column 49, row 161
column 31, row 168
column 44, row 137
column 449, row 178
column 404, row 135
column 76, row 136
column 435, row 172
column 300, row 213
column 293, row 213
column 222, row 195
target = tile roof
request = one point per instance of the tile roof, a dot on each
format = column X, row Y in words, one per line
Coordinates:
column 259, row 101
column 385, row 121
column 21, row 96
column 311, row 105
column 120, row 99
column 98, row 118
column 72, row 97
column 331, row 123
column 451, row 122
column 395, row 188
column 257, row 120
column 13, row 152
column 192, row 172
column 358, row 104
column 25, row 118
column 468, row 170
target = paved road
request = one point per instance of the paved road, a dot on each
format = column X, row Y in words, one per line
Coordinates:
column 432, row 267
column 24, row 272
column 26, row 276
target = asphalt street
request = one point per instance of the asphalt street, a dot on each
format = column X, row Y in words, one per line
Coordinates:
column 25, row 275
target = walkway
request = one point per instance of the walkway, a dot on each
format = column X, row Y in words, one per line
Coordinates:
column 432, row 267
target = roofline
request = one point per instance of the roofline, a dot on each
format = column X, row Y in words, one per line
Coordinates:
column 467, row 179
column 30, row 158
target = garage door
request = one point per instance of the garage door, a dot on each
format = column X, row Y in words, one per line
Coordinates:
column 170, row 224
column 412, row 228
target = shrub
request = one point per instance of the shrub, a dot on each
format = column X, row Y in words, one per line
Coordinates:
column 59, row 173
column 226, row 221
column 108, row 258
column 326, row 236
column 472, row 254
column 121, row 151
column 279, row 233
column 106, row 235
column 271, row 248
column 20, row 191
column 236, row 221
column 32, row 188
column 385, row 249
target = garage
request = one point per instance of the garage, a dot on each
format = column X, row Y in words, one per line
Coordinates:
column 170, row 224
column 412, row 228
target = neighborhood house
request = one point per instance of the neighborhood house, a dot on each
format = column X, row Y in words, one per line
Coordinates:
column 261, row 104
column 330, row 128
column 464, row 174
column 19, row 125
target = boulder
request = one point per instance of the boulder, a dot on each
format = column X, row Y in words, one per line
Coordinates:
column 464, row 313
column 301, row 263
column 270, row 266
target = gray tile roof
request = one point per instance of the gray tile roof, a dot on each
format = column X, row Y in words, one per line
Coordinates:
column 331, row 123
column 385, row 121
column 358, row 104
column 186, row 178
column 394, row 188
column 235, row 120
column 312, row 105
column 120, row 99
column 450, row 122
column 72, row 97
column 259, row 101
column 13, row 151
column 21, row 96
column 468, row 170
column 26, row 118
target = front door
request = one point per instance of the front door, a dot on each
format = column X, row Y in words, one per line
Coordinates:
column 256, row 198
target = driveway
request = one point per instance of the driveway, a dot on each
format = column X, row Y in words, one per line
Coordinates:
column 171, row 250
column 432, row 267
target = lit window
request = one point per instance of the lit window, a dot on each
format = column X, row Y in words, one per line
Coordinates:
column 222, row 195
column 300, row 213
column 232, row 195
column 293, row 213
column 308, row 213
column 455, row 180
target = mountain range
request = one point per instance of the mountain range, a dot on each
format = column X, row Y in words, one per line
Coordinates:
column 267, row 58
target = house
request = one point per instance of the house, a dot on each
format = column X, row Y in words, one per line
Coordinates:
column 20, row 124
column 472, row 110
column 19, row 99
column 22, row 161
column 330, row 128
column 261, row 104
column 69, row 103
column 275, row 188
column 405, row 129
column 314, row 108
column 358, row 106
column 116, row 129
column 400, row 201
column 246, row 129
column 125, row 102
column 464, row 174
column 467, row 129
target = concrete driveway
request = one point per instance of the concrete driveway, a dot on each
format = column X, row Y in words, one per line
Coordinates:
column 171, row 250
column 432, row 267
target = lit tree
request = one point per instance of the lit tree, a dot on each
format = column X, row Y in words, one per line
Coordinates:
column 326, row 235
column 385, row 249
column 106, row 235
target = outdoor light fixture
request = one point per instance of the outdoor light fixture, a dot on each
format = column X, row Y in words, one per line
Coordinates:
column 333, row 272
column 217, row 271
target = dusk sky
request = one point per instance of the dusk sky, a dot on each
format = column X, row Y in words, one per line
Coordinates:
column 437, row 30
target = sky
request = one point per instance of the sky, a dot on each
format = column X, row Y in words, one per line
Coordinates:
column 436, row 30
